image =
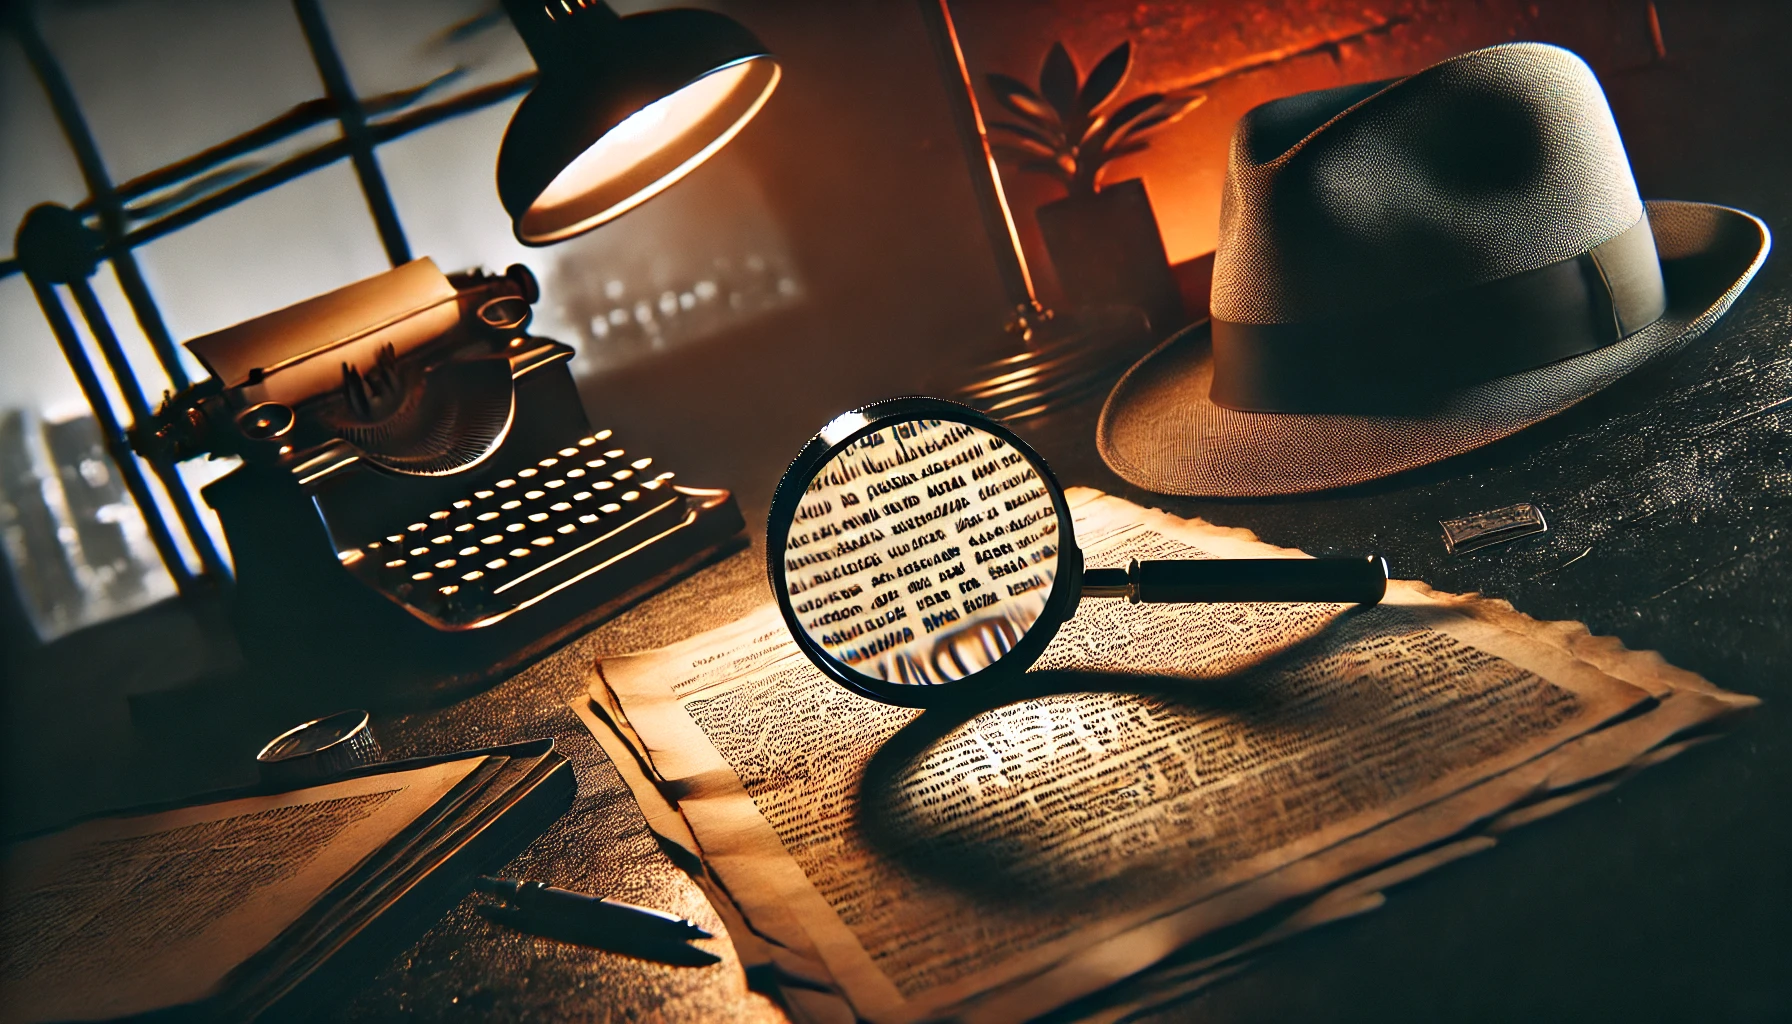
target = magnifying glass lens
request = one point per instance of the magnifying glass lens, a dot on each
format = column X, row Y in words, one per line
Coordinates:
column 922, row 552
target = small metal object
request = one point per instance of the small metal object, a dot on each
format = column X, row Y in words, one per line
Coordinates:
column 1485, row 529
column 264, row 421
column 506, row 312
column 320, row 748
column 1345, row 580
column 1110, row 583
column 539, row 903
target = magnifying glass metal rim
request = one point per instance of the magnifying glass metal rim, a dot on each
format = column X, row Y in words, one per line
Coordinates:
column 842, row 431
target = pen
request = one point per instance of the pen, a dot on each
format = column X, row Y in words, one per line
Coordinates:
column 539, row 903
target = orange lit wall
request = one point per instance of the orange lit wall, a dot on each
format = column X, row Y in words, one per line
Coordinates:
column 1288, row 46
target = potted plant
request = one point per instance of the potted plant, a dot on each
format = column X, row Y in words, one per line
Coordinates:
column 1103, row 239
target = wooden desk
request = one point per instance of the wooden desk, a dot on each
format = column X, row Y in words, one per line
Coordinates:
column 1670, row 526
column 1670, row 502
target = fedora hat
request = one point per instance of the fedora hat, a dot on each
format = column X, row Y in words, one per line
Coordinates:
column 1410, row 269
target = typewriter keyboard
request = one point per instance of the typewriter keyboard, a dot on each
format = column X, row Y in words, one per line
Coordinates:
column 519, row 539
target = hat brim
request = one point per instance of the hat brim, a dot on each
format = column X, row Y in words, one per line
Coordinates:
column 1159, row 430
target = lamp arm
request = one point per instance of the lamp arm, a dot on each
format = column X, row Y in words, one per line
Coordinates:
column 986, row 180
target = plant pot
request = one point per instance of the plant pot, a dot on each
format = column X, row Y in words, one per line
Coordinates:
column 1108, row 252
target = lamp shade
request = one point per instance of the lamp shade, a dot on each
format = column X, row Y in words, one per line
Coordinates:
column 624, row 107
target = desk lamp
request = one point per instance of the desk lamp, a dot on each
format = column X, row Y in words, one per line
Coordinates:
column 623, row 109
column 405, row 463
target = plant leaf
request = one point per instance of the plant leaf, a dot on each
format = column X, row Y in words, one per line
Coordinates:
column 1111, row 155
column 1051, row 140
column 1104, row 78
column 1101, row 133
column 1126, row 150
column 1057, row 83
column 1024, row 149
column 1170, row 110
column 1132, row 108
column 1188, row 99
column 1050, row 168
column 1140, row 127
column 1014, row 94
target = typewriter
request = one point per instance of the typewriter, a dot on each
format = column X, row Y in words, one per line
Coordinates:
column 422, row 504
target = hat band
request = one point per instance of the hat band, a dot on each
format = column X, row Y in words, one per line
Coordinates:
column 1402, row 357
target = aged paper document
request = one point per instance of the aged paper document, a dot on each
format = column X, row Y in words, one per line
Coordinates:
column 300, row 350
column 1167, row 771
column 124, row 915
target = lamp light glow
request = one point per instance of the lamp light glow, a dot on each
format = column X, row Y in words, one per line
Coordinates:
column 646, row 141
column 625, row 108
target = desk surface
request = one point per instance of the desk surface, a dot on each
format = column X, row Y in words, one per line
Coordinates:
column 1670, row 524
column 1670, row 502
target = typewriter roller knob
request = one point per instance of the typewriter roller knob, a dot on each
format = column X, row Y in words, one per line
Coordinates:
column 265, row 421
column 511, row 310
column 319, row 749
column 506, row 312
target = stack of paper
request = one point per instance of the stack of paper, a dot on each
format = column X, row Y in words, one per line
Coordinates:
column 226, row 908
column 1216, row 775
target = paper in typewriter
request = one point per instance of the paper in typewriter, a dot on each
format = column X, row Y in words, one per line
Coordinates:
column 1248, row 756
column 125, row 915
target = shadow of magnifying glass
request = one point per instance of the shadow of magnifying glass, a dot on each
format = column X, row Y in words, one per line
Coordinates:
column 995, row 796
column 923, row 555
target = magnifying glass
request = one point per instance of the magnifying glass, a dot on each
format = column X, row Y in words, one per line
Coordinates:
column 918, row 549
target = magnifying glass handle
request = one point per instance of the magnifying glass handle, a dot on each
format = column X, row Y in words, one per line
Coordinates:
column 1344, row 580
